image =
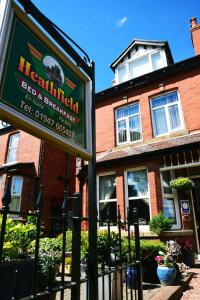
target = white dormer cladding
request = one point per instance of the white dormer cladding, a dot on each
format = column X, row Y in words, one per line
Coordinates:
column 140, row 60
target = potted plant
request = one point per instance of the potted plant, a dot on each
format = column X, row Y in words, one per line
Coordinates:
column 49, row 258
column 166, row 269
column 167, row 263
column 148, row 250
column 68, row 266
column 187, row 252
column 160, row 223
column 182, row 183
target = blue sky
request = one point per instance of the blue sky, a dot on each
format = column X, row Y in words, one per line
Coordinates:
column 105, row 28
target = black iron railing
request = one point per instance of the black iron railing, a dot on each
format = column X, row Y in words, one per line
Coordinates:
column 118, row 256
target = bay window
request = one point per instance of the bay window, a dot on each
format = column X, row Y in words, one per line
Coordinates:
column 128, row 124
column 166, row 114
column 107, row 198
column 138, row 194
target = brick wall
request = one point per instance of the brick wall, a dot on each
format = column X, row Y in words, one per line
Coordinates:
column 188, row 88
column 52, row 167
column 56, row 167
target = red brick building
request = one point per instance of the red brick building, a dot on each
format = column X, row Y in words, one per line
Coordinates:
column 31, row 162
column 148, row 132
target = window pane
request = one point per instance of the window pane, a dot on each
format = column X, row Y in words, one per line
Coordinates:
column 122, row 74
column 128, row 111
column 160, row 122
column 16, row 186
column 122, row 133
column 156, row 61
column 107, row 187
column 174, row 117
column 164, row 100
column 15, row 204
column 14, row 140
column 139, row 67
column 142, row 206
column 12, row 155
column 134, row 125
column 169, row 209
column 137, row 183
column 108, row 209
column 12, row 148
column 129, row 116
column 166, row 182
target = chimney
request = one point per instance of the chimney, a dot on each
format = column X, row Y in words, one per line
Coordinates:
column 195, row 34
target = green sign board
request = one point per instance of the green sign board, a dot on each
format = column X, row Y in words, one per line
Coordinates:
column 41, row 84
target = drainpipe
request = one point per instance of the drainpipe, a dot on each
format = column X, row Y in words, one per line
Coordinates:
column 195, row 225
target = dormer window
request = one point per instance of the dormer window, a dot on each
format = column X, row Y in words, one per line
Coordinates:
column 139, row 58
column 140, row 65
column 122, row 74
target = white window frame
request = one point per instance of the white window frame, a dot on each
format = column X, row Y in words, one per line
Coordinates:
column 127, row 63
column 181, row 127
column 104, row 201
column 127, row 125
column 142, row 227
column 172, row 196
column 9, row 149
column 17, row 195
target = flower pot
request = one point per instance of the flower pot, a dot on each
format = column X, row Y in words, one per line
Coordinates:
column 149, row 273
column 188, row 258
column 167, row 276
column 67, row 270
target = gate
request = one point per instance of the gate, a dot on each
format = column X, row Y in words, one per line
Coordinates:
column 118, row 257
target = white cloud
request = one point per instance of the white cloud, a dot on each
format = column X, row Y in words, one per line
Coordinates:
column 122, row 21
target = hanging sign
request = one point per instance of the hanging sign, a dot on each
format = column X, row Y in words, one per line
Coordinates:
column 42, row 91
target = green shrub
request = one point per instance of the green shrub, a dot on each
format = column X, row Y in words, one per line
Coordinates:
column 49, row 257
column 18, row 238
column 160, row 223
column 150, row 248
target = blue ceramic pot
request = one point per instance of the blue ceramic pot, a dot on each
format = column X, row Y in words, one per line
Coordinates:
column 166, row 275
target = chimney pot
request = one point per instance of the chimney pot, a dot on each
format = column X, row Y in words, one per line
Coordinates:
column 193, row 22
column 195, row 35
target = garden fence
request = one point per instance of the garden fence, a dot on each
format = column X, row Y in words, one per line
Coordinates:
column 118, row 265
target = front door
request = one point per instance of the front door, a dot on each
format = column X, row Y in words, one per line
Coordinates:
column 196, row 199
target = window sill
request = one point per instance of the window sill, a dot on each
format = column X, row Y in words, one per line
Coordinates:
column 172, row 134
column 129, row 143
column 9, row 164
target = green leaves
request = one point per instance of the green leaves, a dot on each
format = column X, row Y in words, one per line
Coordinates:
column 160, row 223
column 182, row 183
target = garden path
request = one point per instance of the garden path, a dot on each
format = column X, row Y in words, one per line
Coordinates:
column 193, row 292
